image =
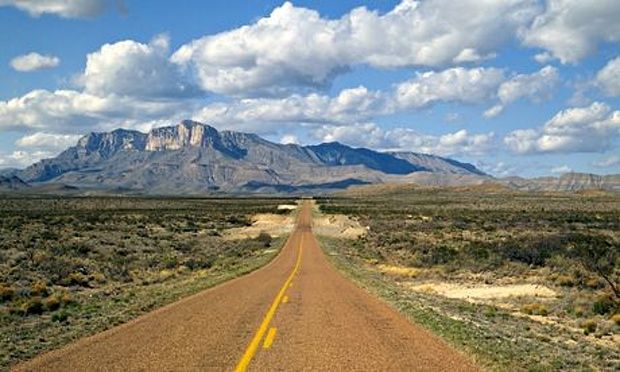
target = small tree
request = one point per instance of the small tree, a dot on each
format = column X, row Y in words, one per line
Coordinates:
column 598, row 255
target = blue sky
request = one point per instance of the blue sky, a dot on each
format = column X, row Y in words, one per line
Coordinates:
column 528, row 87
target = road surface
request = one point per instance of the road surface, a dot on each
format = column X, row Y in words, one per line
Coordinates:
column 297, row 313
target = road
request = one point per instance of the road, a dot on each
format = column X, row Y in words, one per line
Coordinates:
column 297, row 313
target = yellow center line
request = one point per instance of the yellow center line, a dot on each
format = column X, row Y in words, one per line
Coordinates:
column 253, row 346
column 269, row 338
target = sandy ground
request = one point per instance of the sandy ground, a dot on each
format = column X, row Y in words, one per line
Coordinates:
column 338, row 226
column 273, row 224
column 483, row 293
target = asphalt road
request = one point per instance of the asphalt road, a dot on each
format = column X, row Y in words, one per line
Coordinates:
column 297, row 313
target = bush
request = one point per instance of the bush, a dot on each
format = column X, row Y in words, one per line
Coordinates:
column 60, row 316
column 6, row 292
column 264, row 239
column 589, row 326
column 535, row 309
column 604, row 304
column 39, row 289
column 33, row 306
column 52, row 303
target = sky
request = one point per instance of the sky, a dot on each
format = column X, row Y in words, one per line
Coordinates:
column 516, row 87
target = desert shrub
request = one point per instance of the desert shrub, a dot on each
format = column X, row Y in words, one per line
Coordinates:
column 52, row 303
column 60, row 316
column 535, row 309
column 39, row 288
column 589, row 326
column 197, row 264
column 616, row 318
column 75, row 278
column 33, row 306
column 6, row 292
column 264, row 239
column 604, row 304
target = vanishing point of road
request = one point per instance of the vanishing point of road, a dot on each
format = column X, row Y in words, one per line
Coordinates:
column 297, row 313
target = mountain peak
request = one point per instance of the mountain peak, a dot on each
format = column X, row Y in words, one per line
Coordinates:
column 187, row 133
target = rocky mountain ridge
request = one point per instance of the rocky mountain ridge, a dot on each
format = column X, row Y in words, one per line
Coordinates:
column 194, row 157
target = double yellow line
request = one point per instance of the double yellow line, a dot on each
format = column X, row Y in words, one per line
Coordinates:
column 253, row 346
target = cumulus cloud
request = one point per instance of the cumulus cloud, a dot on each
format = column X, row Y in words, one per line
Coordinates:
column 63, row 8
column 34, row 61
column 295, row 47
column 265, row 114
column 451, row 85
column 136, row 69
column 69, row 111
column 572, row 29
column 406, row 139
column 585, row 129
column 535, row 87
column 608, row 78
column 23, row 158
column 47, row 141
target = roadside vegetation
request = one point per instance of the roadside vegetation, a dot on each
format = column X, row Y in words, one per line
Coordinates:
column 521, row 281
column 71, row 267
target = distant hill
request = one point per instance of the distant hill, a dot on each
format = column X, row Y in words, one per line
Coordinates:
column 566, row 182
column 191, row 157
column 12, row 183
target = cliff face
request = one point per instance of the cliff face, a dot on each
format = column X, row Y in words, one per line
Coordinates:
column 193, row 157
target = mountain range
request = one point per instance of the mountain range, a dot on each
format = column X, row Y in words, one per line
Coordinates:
column 194, row 158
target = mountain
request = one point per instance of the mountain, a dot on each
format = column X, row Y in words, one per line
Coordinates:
column 12, row 183
column 191, row 157
column 572, row 181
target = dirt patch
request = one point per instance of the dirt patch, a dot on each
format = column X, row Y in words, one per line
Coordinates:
column 338, row 226
column 273, row 224
column 483, row 293
column 287, row 207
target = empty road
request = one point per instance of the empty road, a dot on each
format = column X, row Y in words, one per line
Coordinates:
column 297, row 313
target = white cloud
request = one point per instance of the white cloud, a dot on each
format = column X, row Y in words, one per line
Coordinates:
column 69, row 111
column 452, row 85
column 63, row 8
column 608, row 78
column 406, row 139
column 296, row 48
column 608, row 161
column 499, row 169
column 535, row 87
column 560, row 169
column 132, row 68
column 22, row 158
column 586, row 129
column 572, row 29
column 47, row 141
column 288, row 139
column 356, row 135
column 544, row 57
column 262, row 115
column 34, row 61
